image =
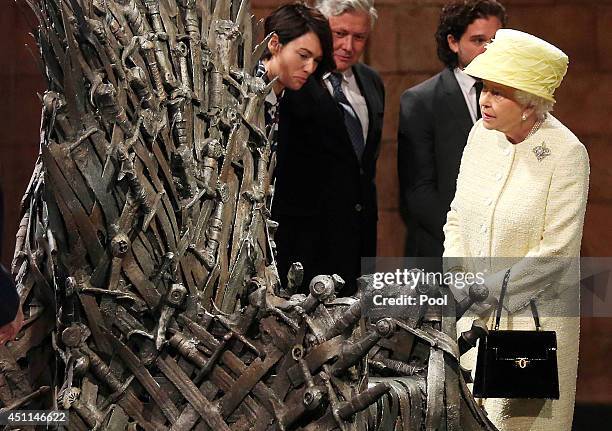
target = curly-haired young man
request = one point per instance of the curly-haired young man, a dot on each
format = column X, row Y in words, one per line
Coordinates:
column 435, row 119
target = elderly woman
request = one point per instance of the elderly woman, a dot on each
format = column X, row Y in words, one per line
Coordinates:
column 520, row 204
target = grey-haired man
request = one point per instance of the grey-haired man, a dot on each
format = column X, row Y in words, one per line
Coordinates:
column 329, row 137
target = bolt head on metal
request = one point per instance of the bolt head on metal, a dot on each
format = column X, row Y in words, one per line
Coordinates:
column 176, row 294
column 322, row 286
column 120, row 245
column 72, row 336
column 297, row 352
column 385, row 327
column 312, row 398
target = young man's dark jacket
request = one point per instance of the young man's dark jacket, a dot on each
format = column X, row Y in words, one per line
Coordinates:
column 434, row 124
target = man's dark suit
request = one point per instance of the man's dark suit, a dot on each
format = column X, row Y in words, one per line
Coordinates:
column 325, row 199
column 434, row 125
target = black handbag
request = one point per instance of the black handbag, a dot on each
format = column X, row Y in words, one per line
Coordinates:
column 517, row 364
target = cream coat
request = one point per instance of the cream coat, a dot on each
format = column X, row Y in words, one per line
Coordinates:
column 513, row 210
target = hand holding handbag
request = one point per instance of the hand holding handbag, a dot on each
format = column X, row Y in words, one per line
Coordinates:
column 517, row 364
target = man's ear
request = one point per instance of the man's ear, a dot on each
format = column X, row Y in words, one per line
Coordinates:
column 274, row 44
column 453, row 43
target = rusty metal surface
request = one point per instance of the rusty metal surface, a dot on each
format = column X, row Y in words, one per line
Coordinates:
column 144, row 261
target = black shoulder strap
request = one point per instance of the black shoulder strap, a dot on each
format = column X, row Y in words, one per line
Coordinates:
column 500, row 304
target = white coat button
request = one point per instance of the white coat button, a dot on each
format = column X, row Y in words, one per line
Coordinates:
column 498, row 177
column 483, row 229
column 507, row 152
column 489, row 201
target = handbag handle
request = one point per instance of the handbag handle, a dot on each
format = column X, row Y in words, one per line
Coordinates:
column 534, row 310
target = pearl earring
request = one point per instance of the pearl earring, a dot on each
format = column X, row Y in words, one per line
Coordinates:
column 524, row 117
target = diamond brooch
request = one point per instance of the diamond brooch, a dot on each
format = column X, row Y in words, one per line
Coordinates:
column 541, row 152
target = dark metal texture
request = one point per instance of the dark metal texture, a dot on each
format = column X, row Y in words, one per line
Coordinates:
column 143, row 255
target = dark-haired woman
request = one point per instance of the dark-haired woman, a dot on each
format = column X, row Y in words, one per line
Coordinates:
column 301, row 44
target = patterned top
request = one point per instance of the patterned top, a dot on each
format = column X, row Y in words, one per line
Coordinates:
column 270, row 106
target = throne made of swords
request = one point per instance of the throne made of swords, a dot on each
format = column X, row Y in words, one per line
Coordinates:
column 144, row 257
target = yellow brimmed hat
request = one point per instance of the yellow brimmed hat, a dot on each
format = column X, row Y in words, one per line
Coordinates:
column 522, row 61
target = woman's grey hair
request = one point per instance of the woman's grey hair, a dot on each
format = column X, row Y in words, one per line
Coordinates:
column 338, row 7
column 540, row 105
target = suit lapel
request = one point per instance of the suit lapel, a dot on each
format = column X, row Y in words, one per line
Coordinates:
column 326, row 108
column 456, row 101
column 321, row 96
column 375, row 107
column 368, row 94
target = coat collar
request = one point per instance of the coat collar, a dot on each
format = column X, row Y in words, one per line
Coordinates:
column 327, row 107
column 455, row 100
column 369, row 93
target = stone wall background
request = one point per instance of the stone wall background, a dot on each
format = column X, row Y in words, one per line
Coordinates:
column 402, row 49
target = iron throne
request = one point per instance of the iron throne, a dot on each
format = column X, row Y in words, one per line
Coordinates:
column 145, row 255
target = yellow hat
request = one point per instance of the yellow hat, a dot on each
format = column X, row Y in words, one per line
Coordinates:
column 522, row 61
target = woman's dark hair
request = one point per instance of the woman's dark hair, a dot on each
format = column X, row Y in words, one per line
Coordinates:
column 294, row 20
column 456, row 17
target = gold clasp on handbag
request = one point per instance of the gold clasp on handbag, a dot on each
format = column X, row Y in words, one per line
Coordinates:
column 522, row 362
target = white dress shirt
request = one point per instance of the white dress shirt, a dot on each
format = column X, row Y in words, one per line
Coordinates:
column 466, row 83
column 353, row 94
